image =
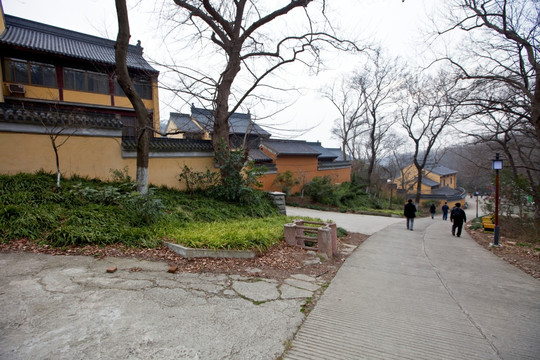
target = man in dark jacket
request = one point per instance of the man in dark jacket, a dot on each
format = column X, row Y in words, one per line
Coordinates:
column 458, row 217
column 445, row 209
column 410, row 212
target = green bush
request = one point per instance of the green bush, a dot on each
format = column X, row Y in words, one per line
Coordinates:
column 321, row 190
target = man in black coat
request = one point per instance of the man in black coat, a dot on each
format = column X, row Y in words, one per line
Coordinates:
column 410, row 212
column 458, row 217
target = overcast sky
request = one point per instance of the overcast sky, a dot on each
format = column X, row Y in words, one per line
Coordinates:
column 395, row 24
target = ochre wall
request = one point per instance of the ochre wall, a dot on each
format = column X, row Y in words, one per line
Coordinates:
column 304, row 168
column 338, row 175
column 267, row 182
column 90, row 156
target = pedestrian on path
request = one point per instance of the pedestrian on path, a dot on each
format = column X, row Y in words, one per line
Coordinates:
column 410, row 212
column 458, row 217
column 445, row 209
column 432, row 211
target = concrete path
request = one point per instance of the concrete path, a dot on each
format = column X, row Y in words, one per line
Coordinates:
column 365, row 224
column 68, row 307
column 423, row 294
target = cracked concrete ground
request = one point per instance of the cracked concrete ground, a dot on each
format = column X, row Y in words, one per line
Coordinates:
column 58, row 307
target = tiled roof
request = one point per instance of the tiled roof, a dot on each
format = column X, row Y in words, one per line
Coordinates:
column 184, row 123
column 326, row 153
column 429, row 182
column 290, row 147
column 441, row 170
column 239, row 123
column 258, row 156
column 170, row 145
column 65, row 118
column 49, row 39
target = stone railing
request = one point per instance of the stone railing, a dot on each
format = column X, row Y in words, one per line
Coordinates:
column 320, row 237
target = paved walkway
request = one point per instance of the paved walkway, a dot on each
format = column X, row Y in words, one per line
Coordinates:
column 68, row 307
column 423, row 294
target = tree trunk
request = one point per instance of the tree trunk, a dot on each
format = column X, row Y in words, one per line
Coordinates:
column 535, row 106
column 144, row 131
column 220, row 138
column 418, row 185
column 57, row 158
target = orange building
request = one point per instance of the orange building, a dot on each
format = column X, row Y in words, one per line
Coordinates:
column 305, row 160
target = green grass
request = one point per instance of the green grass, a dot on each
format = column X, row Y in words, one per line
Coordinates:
column 250, row 233
column 88, row 211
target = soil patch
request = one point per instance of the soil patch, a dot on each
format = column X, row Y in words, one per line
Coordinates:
column 520, row 254
column 278, row 263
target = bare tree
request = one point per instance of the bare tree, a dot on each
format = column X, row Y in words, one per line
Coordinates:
column 377, row 85
column 429, row 106
column 241, row 33
column 516, row 140
column 348, row 103
column 501, row 54
column 394, row 163
column 59, row 129
column 144, row 130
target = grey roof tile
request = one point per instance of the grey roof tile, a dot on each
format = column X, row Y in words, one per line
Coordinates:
column 184, row 123
column 53, row 40
column 258, row 156
column 441, row 170
column 239, row 123
column 326, row 153
column 429, row 182
column 290, row 147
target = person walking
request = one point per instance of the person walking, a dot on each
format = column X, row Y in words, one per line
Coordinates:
column 410, row 212
column 458, row 217
column 432, row 211
column 445, row 209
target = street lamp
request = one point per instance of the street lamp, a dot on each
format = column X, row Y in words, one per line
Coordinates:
column 476, row 194
column 497, row 164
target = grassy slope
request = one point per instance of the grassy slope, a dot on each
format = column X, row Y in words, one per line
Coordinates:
column 86, row 211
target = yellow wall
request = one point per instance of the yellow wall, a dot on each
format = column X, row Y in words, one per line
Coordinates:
column 409, row 173
column 171, row 127
column 86, row 98
column 35, row 92
column 2, row 20
column 154, row 104
column 87, row 156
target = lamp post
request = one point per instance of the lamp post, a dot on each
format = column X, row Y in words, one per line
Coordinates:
column 476, row 194
column 497, row 165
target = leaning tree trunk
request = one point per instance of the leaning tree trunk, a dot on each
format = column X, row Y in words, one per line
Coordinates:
column 144, row 131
